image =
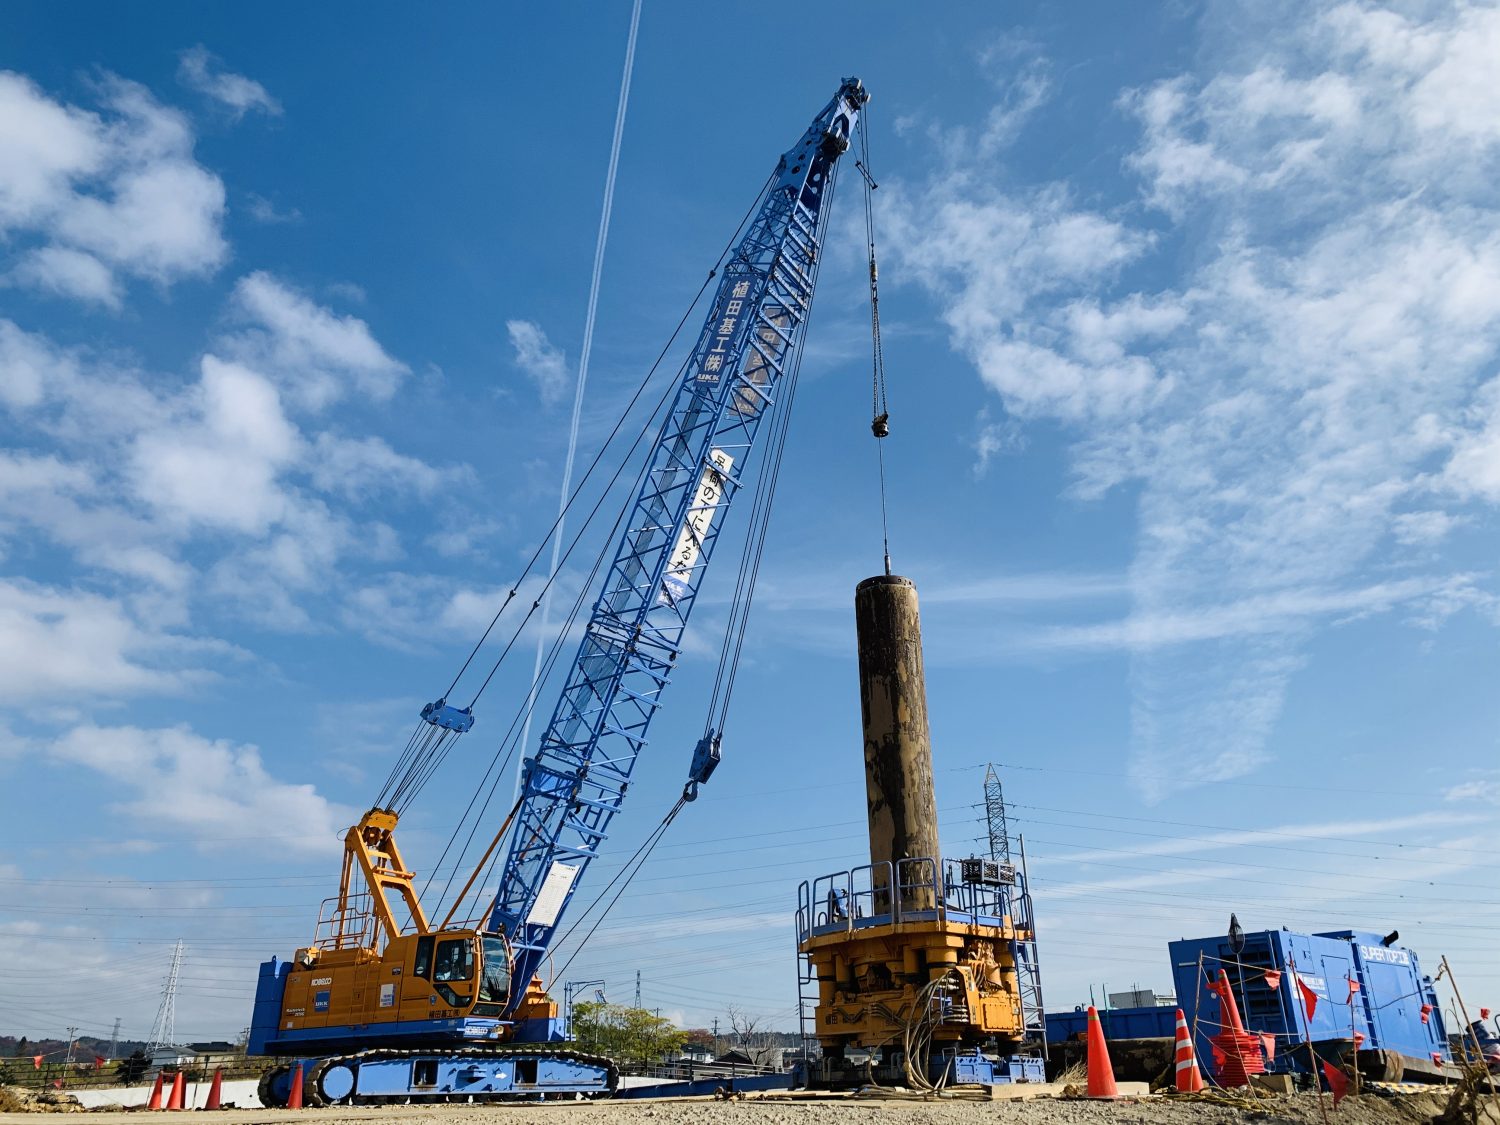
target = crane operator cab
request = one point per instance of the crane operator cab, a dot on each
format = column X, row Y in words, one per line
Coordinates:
column 378, row 968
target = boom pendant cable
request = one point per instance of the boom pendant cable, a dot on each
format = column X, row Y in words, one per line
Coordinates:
column 583, row 357
column 500, row 761
column 880, row 415
column 739, row 617
column 427, row 742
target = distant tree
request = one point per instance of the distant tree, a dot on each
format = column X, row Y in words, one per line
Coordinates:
column 632, row 1036
column 133, row 1067
column 751, row 1039
column 22, row 1045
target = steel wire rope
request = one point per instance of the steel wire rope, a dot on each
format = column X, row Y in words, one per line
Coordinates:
column 530, row 700
column 670, row 388
column 772, row 465
column 628, row 874
column 587, row 347
column 511, row 741
column 765, row 498
column 420, row 741
column 760, row 514
column 879, row 408
column 422, row 769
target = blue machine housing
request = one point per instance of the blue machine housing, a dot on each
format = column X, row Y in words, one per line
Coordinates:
column 1154, row 1022
column 1386, row 1008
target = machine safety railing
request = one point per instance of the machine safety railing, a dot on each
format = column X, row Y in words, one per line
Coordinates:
column 346, row 925
column 909, row 890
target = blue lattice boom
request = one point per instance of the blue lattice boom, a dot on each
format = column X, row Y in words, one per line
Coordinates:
column 576, row 781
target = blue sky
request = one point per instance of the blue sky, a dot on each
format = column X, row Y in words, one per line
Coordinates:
column 1191, row 319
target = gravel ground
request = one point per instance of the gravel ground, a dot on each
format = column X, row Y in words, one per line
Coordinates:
column 1416, row 1109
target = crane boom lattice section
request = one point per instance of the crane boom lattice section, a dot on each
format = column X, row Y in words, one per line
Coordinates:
column 577, row 780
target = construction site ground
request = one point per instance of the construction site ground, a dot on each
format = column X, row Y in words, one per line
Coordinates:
column 1301, row 1109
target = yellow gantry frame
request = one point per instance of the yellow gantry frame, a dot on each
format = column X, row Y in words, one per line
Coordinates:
column 372, row 845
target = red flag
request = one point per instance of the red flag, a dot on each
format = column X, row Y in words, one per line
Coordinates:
column 1338, row 1082
column 1353, row 988
column 57, row 1083
column 1426, row 1011
column 1273, row 978
column 36, row 1062
column 1309, row 997
column 1437, row 1057
column 1484, row 1013
column 1268, row 1044
column 1359, row 1037
column 98, row 1062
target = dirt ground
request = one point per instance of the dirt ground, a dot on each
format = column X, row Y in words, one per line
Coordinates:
column 1369, row 1109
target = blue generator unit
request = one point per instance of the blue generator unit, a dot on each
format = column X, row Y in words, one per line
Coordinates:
column 1373, row 1006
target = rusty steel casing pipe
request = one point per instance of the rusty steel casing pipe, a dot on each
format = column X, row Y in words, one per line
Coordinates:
column 898, row 746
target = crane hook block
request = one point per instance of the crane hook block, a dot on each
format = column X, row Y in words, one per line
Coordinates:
column 440, row 714
column 881, row 426
column 706, row 757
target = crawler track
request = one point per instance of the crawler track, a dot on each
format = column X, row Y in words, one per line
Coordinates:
column 313, row 1093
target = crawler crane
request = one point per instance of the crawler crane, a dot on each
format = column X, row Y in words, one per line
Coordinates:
column 388, row 1004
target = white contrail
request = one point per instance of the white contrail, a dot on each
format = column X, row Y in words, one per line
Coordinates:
column 583, row 376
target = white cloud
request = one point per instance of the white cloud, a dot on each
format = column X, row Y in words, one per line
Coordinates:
column 1279, row 406
column 262, row 210
column 543, row 363
column 994, row 440
column 104, row 193
column 160, row 214
column 1474, row 468
column 44, row 146
column 1486, row 789
column 199, row 70
column 1283, row 611
column 403, row 610
column 69, row 273
column 220, row 466
column 996, row 261
column 359, row 467
column 1419, row 528
column 218, row 791
column 315, row 355
column 29, row 366
column 208, row 492
column 74, row 644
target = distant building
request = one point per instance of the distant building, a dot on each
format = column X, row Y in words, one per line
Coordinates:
column 1142, row 998
column 170, row 1058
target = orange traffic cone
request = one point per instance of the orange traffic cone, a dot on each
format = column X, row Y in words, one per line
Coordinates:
column 215, row 1089
column 1101, row 1073
column 179, row 1091
column 294, row 1100
column 1229, row 1010
column 155, row 1102
column 1189, row 1079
